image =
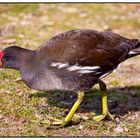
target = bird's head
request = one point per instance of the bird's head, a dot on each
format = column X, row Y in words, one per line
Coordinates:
column 15, row 57
column 10, row 57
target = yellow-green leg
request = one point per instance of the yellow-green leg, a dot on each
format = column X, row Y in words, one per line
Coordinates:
column 105, row 111
column 68, row 118
column 73, row 109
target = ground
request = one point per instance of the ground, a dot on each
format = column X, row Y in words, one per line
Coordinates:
column 30, row 25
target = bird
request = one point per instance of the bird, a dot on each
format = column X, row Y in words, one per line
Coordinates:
column 74, row 60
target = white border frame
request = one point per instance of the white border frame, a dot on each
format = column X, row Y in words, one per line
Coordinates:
column 75, row 1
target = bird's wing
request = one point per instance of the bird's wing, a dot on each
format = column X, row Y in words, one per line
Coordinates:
column 86, row 48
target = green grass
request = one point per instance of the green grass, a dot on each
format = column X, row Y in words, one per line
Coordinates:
column 30, row 25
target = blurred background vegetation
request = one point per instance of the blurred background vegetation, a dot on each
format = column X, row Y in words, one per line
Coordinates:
column 32, row 24
column 29, row 25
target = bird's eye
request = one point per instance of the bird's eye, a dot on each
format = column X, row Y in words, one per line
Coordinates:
column 6, row 56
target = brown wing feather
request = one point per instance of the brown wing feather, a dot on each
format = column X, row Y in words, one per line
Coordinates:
column 87, row 48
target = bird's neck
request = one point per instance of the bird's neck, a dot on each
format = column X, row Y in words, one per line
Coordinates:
column 24, row 57
column 27, row 64
column 30, row 64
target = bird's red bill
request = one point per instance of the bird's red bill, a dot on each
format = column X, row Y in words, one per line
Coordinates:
column 1, row 54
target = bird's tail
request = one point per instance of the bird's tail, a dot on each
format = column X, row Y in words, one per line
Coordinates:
column 136, row 49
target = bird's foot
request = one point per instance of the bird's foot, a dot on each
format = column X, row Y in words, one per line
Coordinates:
column 52, row 121
column 62, row 123
column 80, row 117
column 101, row 117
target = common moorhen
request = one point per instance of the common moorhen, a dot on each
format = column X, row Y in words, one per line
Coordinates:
column 73, row 61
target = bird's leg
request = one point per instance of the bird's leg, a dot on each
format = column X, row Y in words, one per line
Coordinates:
column 68, row 118
column 105, row 111
column 73, row 109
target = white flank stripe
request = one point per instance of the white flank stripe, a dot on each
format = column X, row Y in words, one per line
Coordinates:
column 90, row 68
column 131, row 52
column 76, row 67
column 105, row 75
column 85, row 71
column 63, row 65
column 54, row 64
column 98, row 72
column 59, row 65
column 72, row 68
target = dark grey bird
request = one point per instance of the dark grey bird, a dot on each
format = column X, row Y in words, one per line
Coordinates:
column 73, row 61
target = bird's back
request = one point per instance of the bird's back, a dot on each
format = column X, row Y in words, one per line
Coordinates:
column 87, row 48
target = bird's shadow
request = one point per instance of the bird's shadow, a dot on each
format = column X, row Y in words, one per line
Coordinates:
column 121, row 100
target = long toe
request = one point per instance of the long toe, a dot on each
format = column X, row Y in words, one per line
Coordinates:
column 52, row 121
column 80, row 117
column 110, row 116
column 99, row 118
column 103, row 116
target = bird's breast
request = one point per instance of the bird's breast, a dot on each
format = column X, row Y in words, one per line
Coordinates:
column 42, row 80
